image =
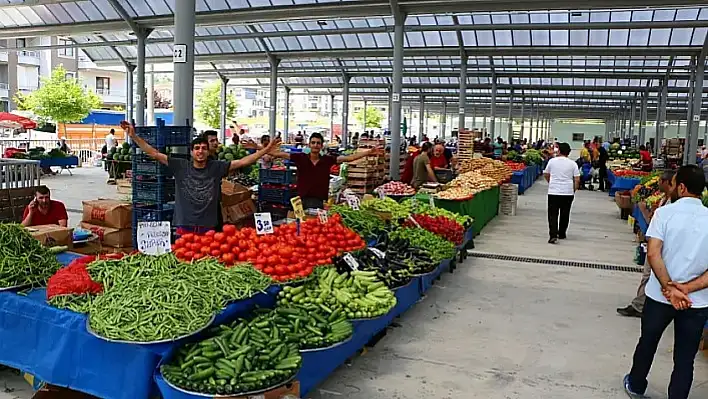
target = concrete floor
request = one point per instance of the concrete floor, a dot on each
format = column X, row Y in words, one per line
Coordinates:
column 494, row 329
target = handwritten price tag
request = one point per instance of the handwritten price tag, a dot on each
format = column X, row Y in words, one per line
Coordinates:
column 353, row 202
column 154, row 238
column 297, row 208
column 381, row 254
column 322, row 214
column 349, row 259
column 264, row 223
column 382, row 195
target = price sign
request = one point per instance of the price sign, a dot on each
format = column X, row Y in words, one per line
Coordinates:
column 322, row 214
column 297, row 208
column 179, row 54
column 382, row 195
column 431, row 201
column 381, row 254
column 395, row 97
column 696, row 118
column 264, row 223
column 462, row 111
column 353, row 202
column 349, row 259
column 154, row 238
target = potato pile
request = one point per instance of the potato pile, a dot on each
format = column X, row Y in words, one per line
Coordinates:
column 466, row 185
column 494, row 169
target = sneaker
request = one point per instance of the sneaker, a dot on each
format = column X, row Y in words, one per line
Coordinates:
column 553, row 240
column 628, row 390
column 629, row 311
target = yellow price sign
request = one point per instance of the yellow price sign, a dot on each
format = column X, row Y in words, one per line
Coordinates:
column 297, row 208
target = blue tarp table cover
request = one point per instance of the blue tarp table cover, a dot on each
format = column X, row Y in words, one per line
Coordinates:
column 53, row 345
column 639, row 217
column 623, row 184
column 610, row 177
column 63, row 162
column 426, row 280
column 525, row 178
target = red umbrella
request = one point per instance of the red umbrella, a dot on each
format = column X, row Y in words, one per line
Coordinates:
column 12, row 121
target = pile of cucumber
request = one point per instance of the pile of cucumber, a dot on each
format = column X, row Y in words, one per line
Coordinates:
column 312, row 327
column 245, row 356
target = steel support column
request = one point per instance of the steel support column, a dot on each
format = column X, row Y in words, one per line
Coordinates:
column 183, row 85
column 538, row 133
column 531, row 132
column 443, row 119
column 345, row 112
column 474, row 116
column 129, row 104
column 643, row 119
column 485, row 127
column 693, row 124
column 390, row 106
column 331, row 117
column 150, row 96
column 141, row 35
column 273, row 110
column 463, row 94
column 286, row 113
column 397, row 81
column 632, row 119
column 365, row 104
column 523, row 115
column 421, row 119
column 222, row 119
column 510, row 119
column 493, row 109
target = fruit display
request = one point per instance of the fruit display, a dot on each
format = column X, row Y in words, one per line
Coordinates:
column 231, row 152
column 446, row 228
column 364, row 223
column 396, row 188
column 438, row 247
column 533, row 157
column 244, row 356
column 466, row 185
column 121, row 153
column 424, row 208
column 23, row 259
column 358, row 295
column 515, row 166
column 648, row 186
column 621, row 152
column 284, row 255
column 514, row 156
column 386, row 206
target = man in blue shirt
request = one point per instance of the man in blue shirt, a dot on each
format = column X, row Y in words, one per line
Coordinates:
column 678, row 287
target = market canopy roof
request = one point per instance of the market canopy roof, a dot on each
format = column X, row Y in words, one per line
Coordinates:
column 615, row 49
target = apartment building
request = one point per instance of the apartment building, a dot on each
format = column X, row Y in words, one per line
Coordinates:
column 21, row 70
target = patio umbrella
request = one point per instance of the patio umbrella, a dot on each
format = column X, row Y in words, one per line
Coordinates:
column 12, row 121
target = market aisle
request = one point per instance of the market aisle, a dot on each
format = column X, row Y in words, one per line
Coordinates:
column 596, row 233
column 507, row 330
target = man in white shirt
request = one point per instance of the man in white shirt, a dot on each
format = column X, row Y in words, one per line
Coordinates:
column 678, row 287
column 563, row 177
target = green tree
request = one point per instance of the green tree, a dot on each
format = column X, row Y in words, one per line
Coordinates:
column 209, row 105
column 59, row 99
column 374, row 116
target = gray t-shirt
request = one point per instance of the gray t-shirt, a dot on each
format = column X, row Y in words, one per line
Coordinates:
column 197, row 192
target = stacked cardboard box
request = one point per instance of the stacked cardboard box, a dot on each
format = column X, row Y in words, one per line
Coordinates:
column 236, row 202
column 111, row 221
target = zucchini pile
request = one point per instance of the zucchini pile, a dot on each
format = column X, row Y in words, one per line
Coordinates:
column 310, row 326
column 245, row 356
column 357, row 295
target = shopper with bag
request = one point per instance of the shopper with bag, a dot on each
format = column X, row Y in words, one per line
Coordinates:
column 563, row 177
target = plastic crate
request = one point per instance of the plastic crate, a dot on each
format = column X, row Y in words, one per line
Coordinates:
column 143, row 164
column 164, row 136
column 153, row 191
column 276, row 195
column 277, row 211
column 151, row 213
column 277, row 176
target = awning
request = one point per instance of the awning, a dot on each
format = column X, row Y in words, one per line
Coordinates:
column 12, row 121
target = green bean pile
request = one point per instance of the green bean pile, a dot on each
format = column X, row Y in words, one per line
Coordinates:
column 155, row 298
column 23, row 259
column 364, row 223
column 76, row 303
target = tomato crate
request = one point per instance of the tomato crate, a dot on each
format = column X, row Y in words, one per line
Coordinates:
column 163, row 135
column 277, row 176
column 276, row 194
column 159, row 190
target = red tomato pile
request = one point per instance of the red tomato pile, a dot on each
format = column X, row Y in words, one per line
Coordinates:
column 283, row 255
column 446, row 228
column 629, row 173
column 515, row 166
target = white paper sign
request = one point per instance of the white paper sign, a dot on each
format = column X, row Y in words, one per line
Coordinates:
column 179, row 54
column 462, row 110
column 381, row 254
column 395, row 97
column 696, row 118
column 264, row 223
column 431, row 201
column 322, row 215
column 382, row 195
column 154, row 238
column 351, row 261
column 353, row 202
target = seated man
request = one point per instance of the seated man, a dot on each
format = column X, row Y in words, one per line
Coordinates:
column 44, row 210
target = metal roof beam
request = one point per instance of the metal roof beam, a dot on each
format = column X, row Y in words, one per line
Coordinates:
column 124, row 14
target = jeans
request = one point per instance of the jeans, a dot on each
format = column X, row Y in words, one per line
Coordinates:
column 688, row 328
column 559, row 205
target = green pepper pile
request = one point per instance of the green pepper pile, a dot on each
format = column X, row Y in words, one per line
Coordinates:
column 386, row 205
column 438, row 247
column 23, row 259
column 245, row 356
column 364, row 223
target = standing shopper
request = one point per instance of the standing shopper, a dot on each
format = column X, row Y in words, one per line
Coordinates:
column 313, row 170
column 602, row 159
column 197, row 180
column 678, row 287
column 636, row 307
column 563, row 177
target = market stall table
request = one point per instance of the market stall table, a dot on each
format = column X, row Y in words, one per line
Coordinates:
column 623, row 184
column 63, row 163
column 53, row 345
column 483, row 207
column 639, row 218
column 525, row 178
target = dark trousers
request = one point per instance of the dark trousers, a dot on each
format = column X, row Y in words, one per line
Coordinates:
column 688, row 328
column 312, row 202
column 559, row 206
column 603, row 177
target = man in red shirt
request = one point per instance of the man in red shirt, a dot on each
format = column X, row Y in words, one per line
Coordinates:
column 44, row 210
column 439, row 160
column 313, row 170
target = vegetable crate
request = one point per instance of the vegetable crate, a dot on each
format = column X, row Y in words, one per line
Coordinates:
column 13, row 203
column 277, row 195
column 150, row 213
column 163, row 135
column 159, row 191
column 145, row 165
column 277, row 176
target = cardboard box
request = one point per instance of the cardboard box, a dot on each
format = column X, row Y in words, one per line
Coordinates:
column 233, row 193
column 51, row 235
column 108, row 213
column 95, row 248
column 236, row 212
column 124, row 186
column 109, row 236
